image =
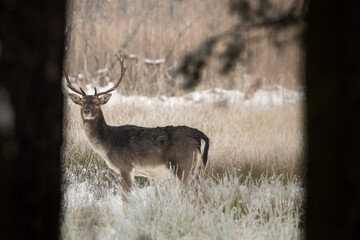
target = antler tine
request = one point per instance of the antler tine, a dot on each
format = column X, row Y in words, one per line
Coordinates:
column 83, row 92
column 69, row 85
column 122, row 73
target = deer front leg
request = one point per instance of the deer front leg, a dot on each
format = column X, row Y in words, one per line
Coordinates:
column 126, row 184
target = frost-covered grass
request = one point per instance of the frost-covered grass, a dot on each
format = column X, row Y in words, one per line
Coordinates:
column 226, row 208
column 252, row 188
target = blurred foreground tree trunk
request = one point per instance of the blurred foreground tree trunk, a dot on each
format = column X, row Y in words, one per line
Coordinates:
column 333, row 120
column 31, row 55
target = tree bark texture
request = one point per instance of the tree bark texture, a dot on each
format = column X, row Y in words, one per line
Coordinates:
column 31, row 55
column 333, row 120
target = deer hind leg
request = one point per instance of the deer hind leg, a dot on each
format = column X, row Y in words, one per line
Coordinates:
column 187, row 161
column 189, row 167
column 179, row 168
column 126, row 184
column 182, row 173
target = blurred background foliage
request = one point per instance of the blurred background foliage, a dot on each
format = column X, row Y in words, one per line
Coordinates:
column 170, row 45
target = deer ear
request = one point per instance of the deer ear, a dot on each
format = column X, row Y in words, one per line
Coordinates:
column 75, row 98
column 105, row 98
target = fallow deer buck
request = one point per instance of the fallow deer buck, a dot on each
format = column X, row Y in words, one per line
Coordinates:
column 155, row 153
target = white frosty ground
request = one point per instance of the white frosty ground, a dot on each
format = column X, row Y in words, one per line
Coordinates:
column 262, row 209
column 275, row 95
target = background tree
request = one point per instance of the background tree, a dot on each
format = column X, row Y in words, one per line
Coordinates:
column 283, row 24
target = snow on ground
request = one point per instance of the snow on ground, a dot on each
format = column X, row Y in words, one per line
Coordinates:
column 75, row 195
column 276, row 95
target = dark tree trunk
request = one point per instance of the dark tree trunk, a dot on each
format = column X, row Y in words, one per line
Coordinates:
column 333, row 120
column 31, row 53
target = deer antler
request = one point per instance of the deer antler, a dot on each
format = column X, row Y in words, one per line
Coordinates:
column 81, row 92
column 122, row 73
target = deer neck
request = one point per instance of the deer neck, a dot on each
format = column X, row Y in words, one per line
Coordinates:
column 96, row 129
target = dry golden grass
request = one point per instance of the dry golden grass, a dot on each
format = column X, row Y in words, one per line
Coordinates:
column 264, row 140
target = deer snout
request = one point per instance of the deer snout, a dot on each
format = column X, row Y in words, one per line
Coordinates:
column 87, row 113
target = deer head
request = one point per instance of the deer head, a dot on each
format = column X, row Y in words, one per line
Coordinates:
column 90, row 104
